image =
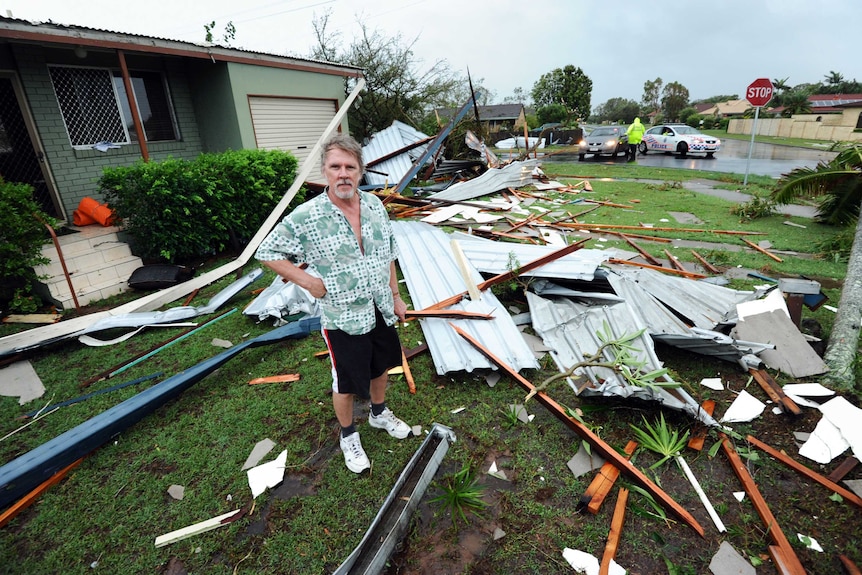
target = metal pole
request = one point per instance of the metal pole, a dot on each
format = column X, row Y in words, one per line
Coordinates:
column 751, row 145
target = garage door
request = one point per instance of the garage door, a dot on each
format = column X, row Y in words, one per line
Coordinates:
column 291, row 124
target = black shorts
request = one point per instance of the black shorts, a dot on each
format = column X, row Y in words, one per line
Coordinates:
column 357, row 359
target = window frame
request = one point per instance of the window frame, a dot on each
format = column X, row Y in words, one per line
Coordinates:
column 114, row 76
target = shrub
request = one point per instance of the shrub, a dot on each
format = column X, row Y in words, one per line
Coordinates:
column 176, row 210
column 753, row 209
column 837, row 248
column 21, row 237
column 720, row 124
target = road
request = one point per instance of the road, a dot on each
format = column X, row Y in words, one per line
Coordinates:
column 766, row 159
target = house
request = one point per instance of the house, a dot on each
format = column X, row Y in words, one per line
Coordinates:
column 702, row 107
column 833, row 117
column 495, row 117
column 729, row 109
column 833, row 103
column 76, row 100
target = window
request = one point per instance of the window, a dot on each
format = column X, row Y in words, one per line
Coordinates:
column 95, row 107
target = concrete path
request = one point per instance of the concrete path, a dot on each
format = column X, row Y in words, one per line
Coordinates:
column 706, row 187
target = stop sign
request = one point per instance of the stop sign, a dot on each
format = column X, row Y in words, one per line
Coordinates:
column 759, row 92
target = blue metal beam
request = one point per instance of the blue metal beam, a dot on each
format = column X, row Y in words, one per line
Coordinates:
column 435, row 145
column 25, row 473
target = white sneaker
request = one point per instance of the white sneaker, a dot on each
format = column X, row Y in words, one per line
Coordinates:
column 354, row 455
column 387, row 420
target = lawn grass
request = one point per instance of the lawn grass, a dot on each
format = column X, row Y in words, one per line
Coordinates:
column 111, row 507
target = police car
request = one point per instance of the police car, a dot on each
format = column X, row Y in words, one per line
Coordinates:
column 678, row 139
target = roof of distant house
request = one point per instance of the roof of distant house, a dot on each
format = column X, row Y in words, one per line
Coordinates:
column 491, row 112
column 833, row 102
column 729, row 108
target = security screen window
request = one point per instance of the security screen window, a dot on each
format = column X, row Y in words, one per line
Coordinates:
column 95, row 108
column 154, row 107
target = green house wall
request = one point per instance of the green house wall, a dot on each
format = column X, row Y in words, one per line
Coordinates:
column 210, row 101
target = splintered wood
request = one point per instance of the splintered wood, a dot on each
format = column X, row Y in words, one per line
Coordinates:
column 616, row 532
column 782, row 553
column 697, row 440
column 601, row 484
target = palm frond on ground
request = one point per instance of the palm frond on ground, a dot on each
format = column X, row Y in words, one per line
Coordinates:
column 838, row 184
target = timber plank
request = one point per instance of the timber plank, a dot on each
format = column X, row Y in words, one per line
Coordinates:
column 601, row 484
column 606, row 451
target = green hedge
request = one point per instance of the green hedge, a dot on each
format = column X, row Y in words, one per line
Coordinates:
column 22, row 235
column 177, row 210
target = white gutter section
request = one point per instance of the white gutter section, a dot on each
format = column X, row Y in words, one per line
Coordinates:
column 35, row 337
column 390, row 525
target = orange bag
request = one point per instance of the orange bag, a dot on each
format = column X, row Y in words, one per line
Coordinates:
column 92, row 212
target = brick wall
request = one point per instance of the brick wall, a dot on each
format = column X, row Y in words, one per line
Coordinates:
column 76, row 172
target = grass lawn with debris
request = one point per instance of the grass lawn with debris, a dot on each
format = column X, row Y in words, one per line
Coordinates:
column 105, row 516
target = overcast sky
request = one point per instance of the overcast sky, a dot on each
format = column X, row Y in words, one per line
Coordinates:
column 711, row 48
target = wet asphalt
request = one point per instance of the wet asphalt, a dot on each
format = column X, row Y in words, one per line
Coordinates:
column 766, row 159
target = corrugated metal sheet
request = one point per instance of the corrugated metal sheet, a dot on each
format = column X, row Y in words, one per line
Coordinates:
column 432, row 275
column 512, row 175
column 571, row 329
column 704, row 304
column 394, row 138
column 661, row 323
column 652, row 313
column 494, row 257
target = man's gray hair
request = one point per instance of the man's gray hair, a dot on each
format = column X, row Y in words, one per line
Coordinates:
column 345, row 143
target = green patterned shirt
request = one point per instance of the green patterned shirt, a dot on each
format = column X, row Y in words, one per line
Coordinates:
column 318, row 233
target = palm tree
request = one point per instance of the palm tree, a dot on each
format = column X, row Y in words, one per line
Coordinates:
column 834, row 77
column 780, row 85
column 839, row 185
column 795, row 102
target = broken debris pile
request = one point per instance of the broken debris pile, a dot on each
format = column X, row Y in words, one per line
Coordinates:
column 590, row 308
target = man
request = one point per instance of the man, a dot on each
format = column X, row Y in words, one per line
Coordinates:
column 345, row 237
column 635, row 133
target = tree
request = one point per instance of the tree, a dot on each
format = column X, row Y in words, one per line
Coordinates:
column 834, row 78
column 228, row 36
column 835, row 83
column 568, row 86
column 396, row 87
column 779, row 88
column 552, row 113
column 674, row 98
column 652, row 91
column 688, row 115
column 838, row 184
column 519, row 96
column 795, row 102
column 717, row 99
column 780, row 85
column 616, row 110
